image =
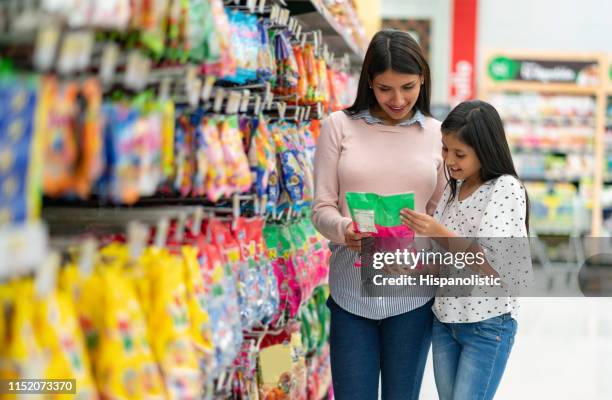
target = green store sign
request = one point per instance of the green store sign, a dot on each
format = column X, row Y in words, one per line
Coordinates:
column 503, row 68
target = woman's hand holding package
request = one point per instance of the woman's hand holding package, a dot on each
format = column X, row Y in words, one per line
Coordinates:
column 353, row 239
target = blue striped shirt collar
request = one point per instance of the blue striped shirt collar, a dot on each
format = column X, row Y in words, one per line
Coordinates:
column 417, row 118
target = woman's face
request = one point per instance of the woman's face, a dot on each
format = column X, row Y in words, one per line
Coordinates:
column 460, row 159
column 396, row 93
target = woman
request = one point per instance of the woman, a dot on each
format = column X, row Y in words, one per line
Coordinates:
column 386, row 143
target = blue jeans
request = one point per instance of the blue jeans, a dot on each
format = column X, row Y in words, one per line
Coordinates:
column 393, row 348
column 469, row 358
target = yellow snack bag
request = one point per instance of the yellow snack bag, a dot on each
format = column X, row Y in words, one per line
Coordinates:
column 59, row 334
column 114, row 324
column 169, row 324
column 125, row 364
column 198, row 309
column 25, row 356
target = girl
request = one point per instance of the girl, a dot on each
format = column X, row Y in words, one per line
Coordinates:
column 386, row 143
column 473, row 336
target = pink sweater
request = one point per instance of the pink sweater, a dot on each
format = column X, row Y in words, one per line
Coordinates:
column 353, row 156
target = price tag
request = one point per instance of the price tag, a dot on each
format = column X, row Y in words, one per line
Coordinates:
column 219, row 97
column 87, row 256
column 108, row 65
column 233, row 102
column 268, row 97
column 252, row 5
column 131, row 78
column 207, row 88
column 262, row 6
column 85, row 48
column 194, row 92
column 22, row 247
column 180, row 227
column 161, row 232
column 284, row 20
column 198, row 216
column 257, row 104
column 137, row 237
column 246, row 97
column 47, row 42
column 274, row 14
column 144, row 67
column 46, row 275
column 164, row 89
column 190, row 76
column 68, row 54
column 291, row 24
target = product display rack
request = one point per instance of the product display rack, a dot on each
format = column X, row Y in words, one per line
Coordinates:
column 161, row 217
column 314, row 16
column 553, row 107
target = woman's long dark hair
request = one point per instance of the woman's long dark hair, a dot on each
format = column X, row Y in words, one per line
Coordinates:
column 478, row 125
column 395, row 50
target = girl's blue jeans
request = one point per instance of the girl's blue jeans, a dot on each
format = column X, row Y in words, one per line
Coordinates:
column 469, row 358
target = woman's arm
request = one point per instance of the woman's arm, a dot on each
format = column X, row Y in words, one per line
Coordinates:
column 326, row 215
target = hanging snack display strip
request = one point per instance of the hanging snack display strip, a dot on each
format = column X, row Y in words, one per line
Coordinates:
column 130, row 103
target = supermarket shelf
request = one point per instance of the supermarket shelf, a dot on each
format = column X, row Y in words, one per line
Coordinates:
column 312, row 16
column 570, row 179
column 560, row 119
column 558, row 179
column 554, row 231
column 563, row 88
column 521, row 149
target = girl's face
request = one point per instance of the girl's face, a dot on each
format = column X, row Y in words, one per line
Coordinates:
column 460, row 159
column 396, row 93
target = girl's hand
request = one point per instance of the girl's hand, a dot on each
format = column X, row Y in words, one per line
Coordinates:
column 353, row 239
column 423, row 224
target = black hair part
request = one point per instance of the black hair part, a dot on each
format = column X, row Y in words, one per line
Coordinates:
column 478, row 125
column 394, row 50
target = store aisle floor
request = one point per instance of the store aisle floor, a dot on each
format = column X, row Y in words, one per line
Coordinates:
column 563, row 351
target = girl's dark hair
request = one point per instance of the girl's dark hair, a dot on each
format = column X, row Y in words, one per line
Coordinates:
column 395, row 50
column 478, row 125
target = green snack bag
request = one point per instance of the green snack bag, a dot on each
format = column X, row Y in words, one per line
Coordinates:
column 380, row 214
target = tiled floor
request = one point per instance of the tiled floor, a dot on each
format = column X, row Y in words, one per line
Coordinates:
column 563, row 350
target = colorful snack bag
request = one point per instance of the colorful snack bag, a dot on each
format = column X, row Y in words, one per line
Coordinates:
column 202, row 162
column 197, row 303
column 61, row 146
column 185, row 155
column 236, row 163
column 380, row 214
column 167, row 131
column 216, row 176
column 271, row 233
column 170, row 324
column 116, row 334
column 302, row 84
column 222, row 307
column 292, row 171
column 58, row 332
column 121, row 179
column 22, row 355
column 148, row 148
column 265, row 60
column 21, row 154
